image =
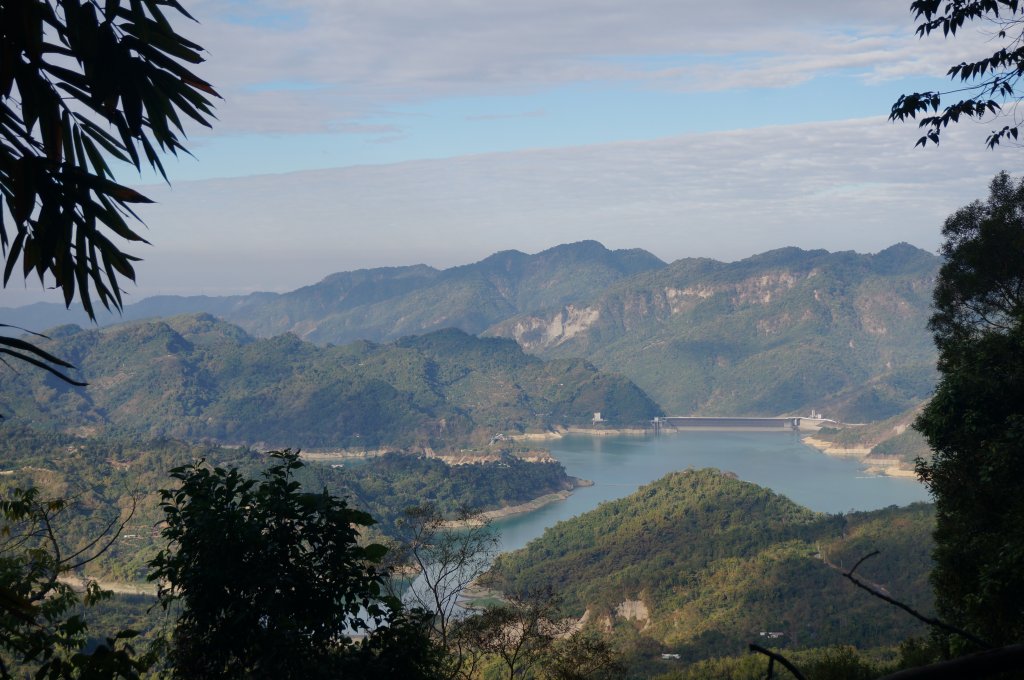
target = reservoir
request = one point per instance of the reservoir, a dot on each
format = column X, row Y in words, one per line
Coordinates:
column 776, row 460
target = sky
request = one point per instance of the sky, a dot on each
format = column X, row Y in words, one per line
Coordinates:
column 364, row 133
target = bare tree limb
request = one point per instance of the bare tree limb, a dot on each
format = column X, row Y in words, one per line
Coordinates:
column 774, row 656
column 107, row 544
column 935, row 623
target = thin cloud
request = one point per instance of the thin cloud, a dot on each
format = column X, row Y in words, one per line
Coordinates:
column 848, row 185
column 357, row 57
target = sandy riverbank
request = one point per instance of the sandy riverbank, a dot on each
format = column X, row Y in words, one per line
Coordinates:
column 119, row 587
column 831, row 449
column 529, row 506
column 510, row 510
column 343, row 454
column 889, row 470
column 583, row 431
column 889, row 467
column 521, row 508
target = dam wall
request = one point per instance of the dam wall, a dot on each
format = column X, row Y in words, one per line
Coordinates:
column 725, row 423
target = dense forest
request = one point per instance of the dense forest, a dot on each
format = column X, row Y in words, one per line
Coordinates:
column 197, row 378
column 176, row 477
column 106, row 477
column 700, row 564
column 780, row 332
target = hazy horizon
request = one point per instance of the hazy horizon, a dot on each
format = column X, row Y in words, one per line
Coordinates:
column 362, row 135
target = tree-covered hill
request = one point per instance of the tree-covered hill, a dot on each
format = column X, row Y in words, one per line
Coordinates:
column 781, row 332
column 197, row 378
column 701, row 564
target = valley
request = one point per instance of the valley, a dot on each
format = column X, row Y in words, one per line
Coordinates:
column 535, row 389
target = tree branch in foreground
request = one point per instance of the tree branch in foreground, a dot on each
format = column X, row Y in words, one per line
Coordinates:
column 773, row 657
column 935, row 623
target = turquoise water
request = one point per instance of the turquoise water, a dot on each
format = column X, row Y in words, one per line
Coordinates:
column 777, row 460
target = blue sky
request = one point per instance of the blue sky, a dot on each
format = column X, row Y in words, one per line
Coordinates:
column 361, row 133
column 320, row 84
column 573, row 114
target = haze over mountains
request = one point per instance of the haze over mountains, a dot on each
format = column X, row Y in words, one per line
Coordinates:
column 781, row 332
column 391, row 302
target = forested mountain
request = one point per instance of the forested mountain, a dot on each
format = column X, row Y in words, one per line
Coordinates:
column 780, row 332
column 702, row 564
column 391, row 302
column 198, row 378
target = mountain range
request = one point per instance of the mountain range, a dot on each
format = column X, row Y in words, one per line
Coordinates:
column 781, row 332
column 388, row 303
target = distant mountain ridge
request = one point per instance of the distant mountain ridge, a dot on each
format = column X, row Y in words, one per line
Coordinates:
column 391, row 302
column 782, row 332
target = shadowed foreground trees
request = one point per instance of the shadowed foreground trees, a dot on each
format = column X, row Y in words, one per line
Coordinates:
column 975, row 421
column 528, row 636
column 273, row 583
column 443, row 558
column 41, row 625
column 83, row 84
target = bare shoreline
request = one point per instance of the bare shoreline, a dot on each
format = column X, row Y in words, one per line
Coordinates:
column 889, row 467
column 520, row 508
column 79, row 583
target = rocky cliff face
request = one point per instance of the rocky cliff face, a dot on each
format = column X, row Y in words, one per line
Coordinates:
column 837, row 330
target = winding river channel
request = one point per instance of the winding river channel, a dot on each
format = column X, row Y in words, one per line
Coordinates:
column 777, row 460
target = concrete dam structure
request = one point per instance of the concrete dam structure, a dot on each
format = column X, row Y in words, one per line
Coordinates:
column 725, row 423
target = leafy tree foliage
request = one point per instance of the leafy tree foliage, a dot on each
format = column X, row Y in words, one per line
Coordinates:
column 521, row 631
column 272, row 582
column 582, row 655
column 990, row 82
column 975, row 421
column 72, row 70
column 194, row 377
column 98, row 471
column 82, row 81
column 712, row 558
column 40, row 627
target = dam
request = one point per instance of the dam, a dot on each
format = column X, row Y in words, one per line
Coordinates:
column 787, row 424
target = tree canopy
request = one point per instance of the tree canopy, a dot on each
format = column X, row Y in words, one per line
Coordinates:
column 42, row 627
column 975, row 421
column 273, row 582
column 988, row 84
